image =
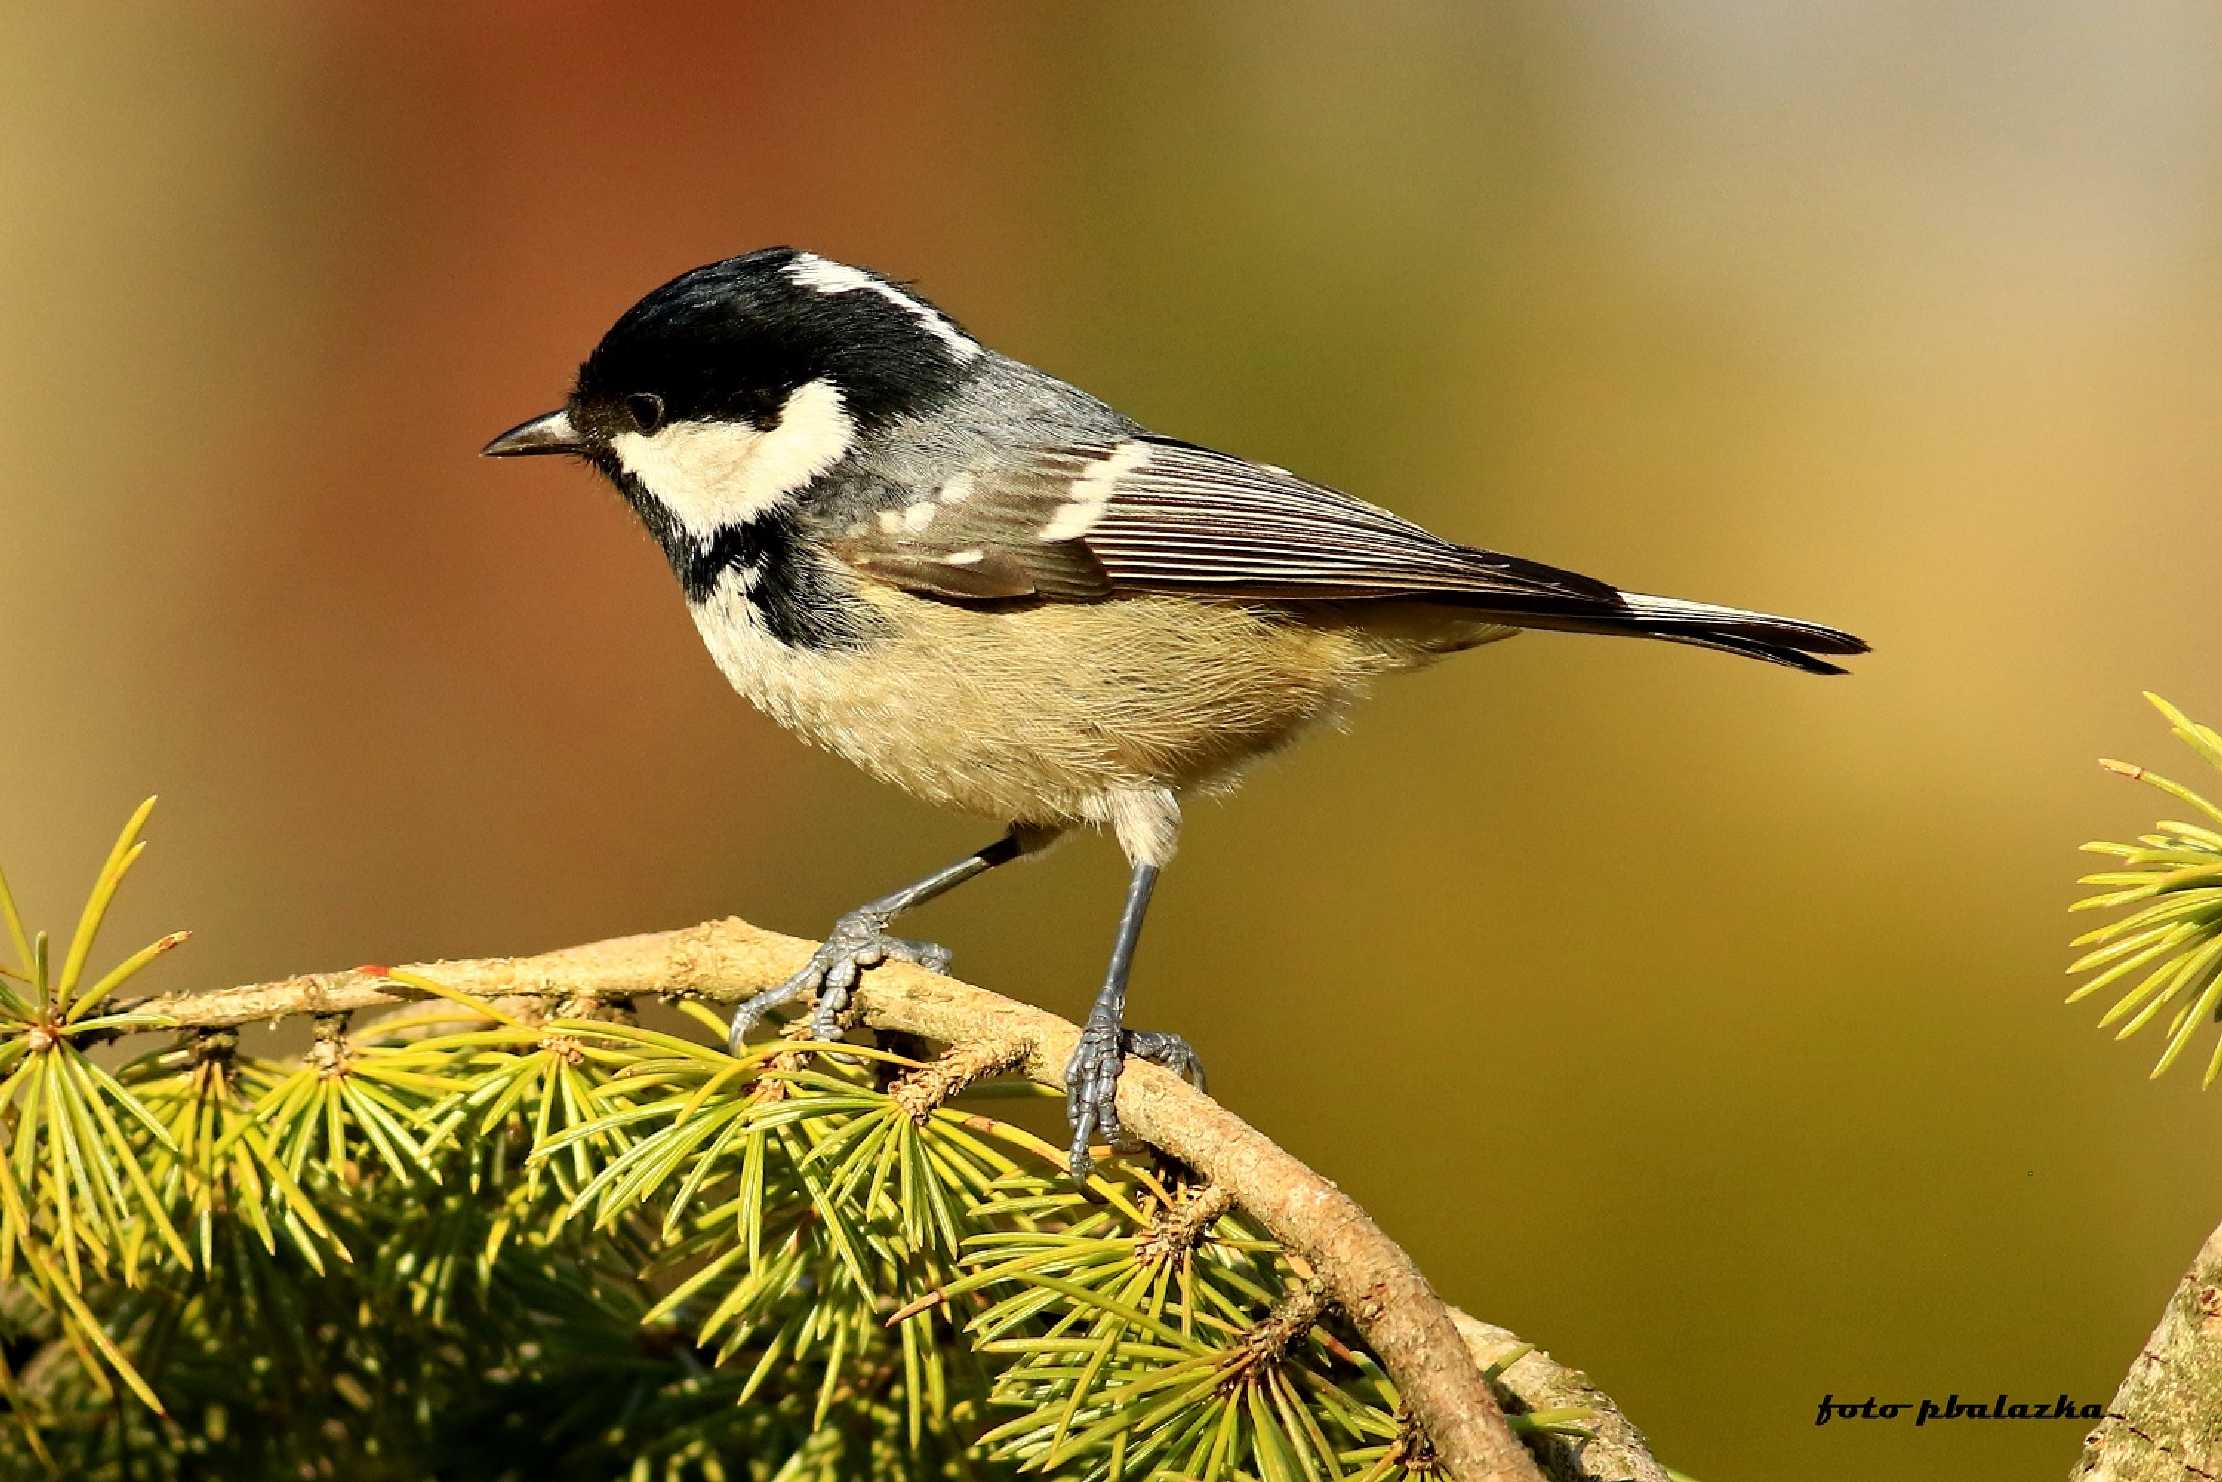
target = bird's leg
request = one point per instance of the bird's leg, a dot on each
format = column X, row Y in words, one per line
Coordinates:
column 860, row 940
column 1092, row 1075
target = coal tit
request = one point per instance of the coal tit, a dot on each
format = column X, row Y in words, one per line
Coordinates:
column 989, row 588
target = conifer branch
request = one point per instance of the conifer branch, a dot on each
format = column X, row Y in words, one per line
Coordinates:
column 1537, row 1383
column 1360, row 1269
column 2162, row 1425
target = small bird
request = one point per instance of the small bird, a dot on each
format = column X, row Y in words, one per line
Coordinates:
column 987, row 587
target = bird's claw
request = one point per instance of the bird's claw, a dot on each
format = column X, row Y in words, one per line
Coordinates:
column 858, row 941
column 1169, row 1050
column 1092, row 1080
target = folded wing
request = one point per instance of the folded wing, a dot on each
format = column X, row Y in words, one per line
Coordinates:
column 1084, row 523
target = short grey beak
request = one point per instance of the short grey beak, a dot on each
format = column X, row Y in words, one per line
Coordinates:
column 552, row 433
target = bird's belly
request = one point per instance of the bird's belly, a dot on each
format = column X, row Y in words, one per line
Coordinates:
column 1038, row 712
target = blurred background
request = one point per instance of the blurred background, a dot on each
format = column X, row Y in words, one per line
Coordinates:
column 1699, row 1021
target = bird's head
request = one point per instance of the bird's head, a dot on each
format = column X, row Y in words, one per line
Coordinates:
column 731, row 387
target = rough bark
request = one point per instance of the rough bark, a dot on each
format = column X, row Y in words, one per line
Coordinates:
column 2165, row 1424
column 1615, row 1451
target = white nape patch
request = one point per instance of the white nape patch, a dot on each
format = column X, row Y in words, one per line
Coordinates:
column 920, row 515
column 891, row 522
column 714, row 474
column 828, row 276
column 957, row 490
column 971, row 557
column 1146, row 821
column 1091, row 492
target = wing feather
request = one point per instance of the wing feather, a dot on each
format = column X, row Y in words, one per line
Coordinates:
column 1085, row 522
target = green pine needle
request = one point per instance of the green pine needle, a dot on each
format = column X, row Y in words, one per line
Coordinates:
column 2168, row 948
column 594, row 1247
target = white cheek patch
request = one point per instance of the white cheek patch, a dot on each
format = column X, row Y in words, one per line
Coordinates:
column 714, row 474
column 814, row 432
column 827, row 276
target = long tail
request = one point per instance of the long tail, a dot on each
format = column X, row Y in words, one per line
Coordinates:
column 1755, row 635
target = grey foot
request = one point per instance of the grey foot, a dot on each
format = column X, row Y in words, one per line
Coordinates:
column 1092, row 1080
column 858, row 940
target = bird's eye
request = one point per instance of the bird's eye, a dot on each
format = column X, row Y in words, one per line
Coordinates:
column 646, row 409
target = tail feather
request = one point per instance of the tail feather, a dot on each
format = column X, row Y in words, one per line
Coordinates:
column 1791, row 642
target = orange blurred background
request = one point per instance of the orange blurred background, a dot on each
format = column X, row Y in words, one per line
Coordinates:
column 1697, row 1020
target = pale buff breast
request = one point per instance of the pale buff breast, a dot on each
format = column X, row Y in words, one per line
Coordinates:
column 1041, row 712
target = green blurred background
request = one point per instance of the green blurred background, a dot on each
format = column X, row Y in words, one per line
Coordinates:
column 1697, row 1020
